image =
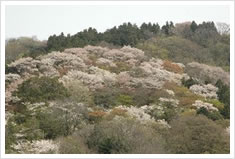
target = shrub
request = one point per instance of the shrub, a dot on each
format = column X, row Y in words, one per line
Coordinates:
column 106, row 97
column 121, row 67
column 145, row 96
column 196, row 135
column 10, row 138
column 188, row 112
column 80, row 93
column 169, row 66
column 223, row 123
column 142, row 96
column 62, row 118
column 32, row 129
column 167, row 112
column 188, row 83
column 63, row 71
column 38, row 89
column 96, row 115
column 216, row 103
column 73, row 144
column 24, row 47
column 213, row 115
column 224, row 97
column 10, row 70
column 183, row 94
column 124, row 100
column 118, row 111
column 53, row 125
column 137, row 72
column 124, row 136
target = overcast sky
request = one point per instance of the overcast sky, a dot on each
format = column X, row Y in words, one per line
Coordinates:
column 43, row 21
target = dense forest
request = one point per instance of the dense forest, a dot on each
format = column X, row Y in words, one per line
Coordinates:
column 138, row 90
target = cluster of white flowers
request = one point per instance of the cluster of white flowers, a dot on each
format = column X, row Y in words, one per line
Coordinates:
column 199, row 104
column 147, row 82
column 96, row 50
column 104, row 61
column 95, row 78
column 135, row 51
column 124, row 78
column 174, row 102
column 36, row 107
column 50, row 62
column 203, row 72
column 8, row 115
column 25, row 65
column 137, row 113
column 91, row 80
column 208, row 91
column 164, row 123
column 149, row 108
column 170, row 92
column 154, row 69
column 12, row 77
column 124, row 54
column 106, row 76
column 36, row 146
column 151, row 66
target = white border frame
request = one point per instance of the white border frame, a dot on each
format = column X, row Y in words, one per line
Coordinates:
column 6, row 3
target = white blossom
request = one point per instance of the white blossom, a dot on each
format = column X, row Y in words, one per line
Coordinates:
column 170, row 92
column 208, row 91
column 138, row 113
column 199, row 104
column 174, row 102
column 104, row 61
column 36, row 146
column 204, row 72
column 12, row 77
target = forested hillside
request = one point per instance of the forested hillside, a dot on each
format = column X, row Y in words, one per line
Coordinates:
column 130, row 90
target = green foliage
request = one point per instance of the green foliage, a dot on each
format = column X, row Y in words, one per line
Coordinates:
column 109, row 97
column 62, row 119
column 38, row 89
column 225, row 123
column 184, row 95
column 168, row 112
column 144, row 96
column 124, row 136
column 24, row 47
column 213, row 115
column 73, row 144
column 31, row 129
column 137, row 72
column 10, row 69
column 197, row 135
column 224, row 97
column 124, row 100
column 216, row 103
column 167, row 28
column 121, row 67
column 80, row 93
column 188, row 83
column 182, row 43
column 174, row 48
column 153, row 50
column 54, row 124
column 10, row 138
column 106, row 97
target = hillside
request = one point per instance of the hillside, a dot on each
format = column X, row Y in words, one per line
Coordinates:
column 97, row 99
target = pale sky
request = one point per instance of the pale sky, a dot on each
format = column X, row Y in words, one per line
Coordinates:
column 43, row 21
